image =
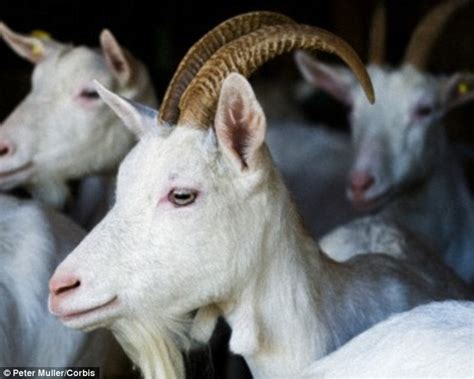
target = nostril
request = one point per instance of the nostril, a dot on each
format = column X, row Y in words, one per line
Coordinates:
column 5, row 149
column 57, row 287
column 361, row 181
column 67, row 288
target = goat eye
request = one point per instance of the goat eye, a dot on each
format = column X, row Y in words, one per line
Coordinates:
column 423, row 111
column 89, row 94
column 182, row 197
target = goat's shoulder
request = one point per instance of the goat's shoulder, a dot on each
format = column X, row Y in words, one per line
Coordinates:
column 407, row 281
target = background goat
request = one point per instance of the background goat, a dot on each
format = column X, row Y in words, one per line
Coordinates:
column 403, row 163
column 62, row 131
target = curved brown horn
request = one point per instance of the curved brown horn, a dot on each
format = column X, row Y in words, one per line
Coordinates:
column 427, row 32
column 378, row 35
column 248, row 53
column 202, row 50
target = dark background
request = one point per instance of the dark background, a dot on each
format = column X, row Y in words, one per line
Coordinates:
column 160, row 32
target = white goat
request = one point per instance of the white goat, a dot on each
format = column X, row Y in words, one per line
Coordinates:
column 32, row 243
column 62, row 131
column 403, row 163
column 204, row 222
column 430, row 341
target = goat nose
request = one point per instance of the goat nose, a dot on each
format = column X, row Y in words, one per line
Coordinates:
column 61, row 284
column 6, row 148
column 361, row 181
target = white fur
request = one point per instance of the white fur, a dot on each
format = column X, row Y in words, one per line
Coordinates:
column 239, row 250
column 430, row 341
column 374, row 234
column 33, row 241
column 62, row 134
column 418, row 181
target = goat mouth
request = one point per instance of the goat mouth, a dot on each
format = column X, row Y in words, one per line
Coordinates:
column 371, row 203
column 7, row 176
column 87, row 318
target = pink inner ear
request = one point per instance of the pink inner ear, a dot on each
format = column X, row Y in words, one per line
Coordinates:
column 325, row 77
column 117, row 63
column 117, row 59
column 238, row 132
column 24, row 47
column 336, row 89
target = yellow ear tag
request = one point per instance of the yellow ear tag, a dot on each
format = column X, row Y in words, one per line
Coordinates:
column 40, row 34
column 463, row 88
column 37, row 48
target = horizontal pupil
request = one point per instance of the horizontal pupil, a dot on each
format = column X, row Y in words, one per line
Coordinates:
column 91, row 94
column 182, row 196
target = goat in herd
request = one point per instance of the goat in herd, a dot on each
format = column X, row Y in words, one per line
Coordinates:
column 403, row 162
column 62, row 131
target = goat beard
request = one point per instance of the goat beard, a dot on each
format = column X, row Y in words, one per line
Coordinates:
column 153, row 347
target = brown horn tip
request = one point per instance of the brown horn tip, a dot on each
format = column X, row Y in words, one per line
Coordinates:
column 203, row 49
column 247, row 53
column 428, row 30
column 378, row 35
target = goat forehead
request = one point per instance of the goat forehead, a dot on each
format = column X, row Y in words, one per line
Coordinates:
column 398, row 92
column 84, row 58
column 183, row 154
column 69, row 67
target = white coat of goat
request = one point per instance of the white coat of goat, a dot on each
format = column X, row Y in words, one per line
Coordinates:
column 203, row 221
column 402, row 162
column 33, row 241
column 430, row 341
column 62, row 130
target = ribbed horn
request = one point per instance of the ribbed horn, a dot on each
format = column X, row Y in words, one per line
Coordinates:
column 378, row 35
column 427, row 32
column 202, row 50
column 247, row 53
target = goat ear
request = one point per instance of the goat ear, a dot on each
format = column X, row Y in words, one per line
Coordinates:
column 31, row 48
column 458, row 90
column 240, row 122
column 335, row 80
column 137, row 118
column 116, row 57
